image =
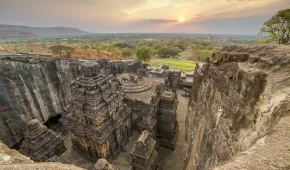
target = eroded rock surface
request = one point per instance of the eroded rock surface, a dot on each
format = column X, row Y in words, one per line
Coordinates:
column 11, row 159
column 237, row 99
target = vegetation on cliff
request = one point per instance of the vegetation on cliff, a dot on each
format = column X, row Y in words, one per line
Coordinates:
column 278, row 27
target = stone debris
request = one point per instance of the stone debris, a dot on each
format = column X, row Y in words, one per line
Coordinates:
column 103, row 164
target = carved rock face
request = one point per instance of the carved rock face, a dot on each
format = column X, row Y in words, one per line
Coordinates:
column 90, row 69
column 236, row 99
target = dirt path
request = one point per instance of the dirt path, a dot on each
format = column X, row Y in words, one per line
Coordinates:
column 174, row 160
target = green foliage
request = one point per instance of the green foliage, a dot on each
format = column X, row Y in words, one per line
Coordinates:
column 98, row 47
column 60, row 49
column 123, row 45
column 144, row 53
column 201, row 55
column 278, row 27
column 167, row 51
column 184, row 65
column 85, row 47
column 115, row 51
column 126, row 52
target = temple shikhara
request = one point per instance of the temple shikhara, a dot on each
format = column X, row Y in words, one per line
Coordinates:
column 41, row 143
column 143, row 155
column 98, row 121
column 167, row 127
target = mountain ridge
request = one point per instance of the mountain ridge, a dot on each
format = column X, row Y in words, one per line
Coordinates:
column 8, row 32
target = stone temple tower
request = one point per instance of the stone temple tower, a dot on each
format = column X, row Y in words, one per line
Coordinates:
column 41, row 143
column 167, row 126
column 143, row 155
column 98, row 122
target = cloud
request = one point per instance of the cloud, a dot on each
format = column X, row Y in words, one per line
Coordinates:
column 240, row 0
column 140, row 15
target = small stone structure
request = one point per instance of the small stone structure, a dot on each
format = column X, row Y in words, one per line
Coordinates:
column 98, row 122
column 143, row 155
column 171, row 75
column 167, row 125
column 41, row 143
column 142, row 97
column 103, row 164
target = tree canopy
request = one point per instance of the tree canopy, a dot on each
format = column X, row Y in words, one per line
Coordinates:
column 144, row 53
column 278, row 27
column 167, row 51
column 59, row 49
column 126, row 52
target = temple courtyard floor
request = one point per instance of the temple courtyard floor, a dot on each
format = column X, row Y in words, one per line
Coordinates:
column 170, row 160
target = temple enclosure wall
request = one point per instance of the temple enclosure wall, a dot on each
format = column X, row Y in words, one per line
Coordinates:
column 38, row 87
column 239, row 110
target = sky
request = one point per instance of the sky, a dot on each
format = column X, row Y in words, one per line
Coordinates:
column 243, row 17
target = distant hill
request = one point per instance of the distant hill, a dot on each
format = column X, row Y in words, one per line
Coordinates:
column 10, row 32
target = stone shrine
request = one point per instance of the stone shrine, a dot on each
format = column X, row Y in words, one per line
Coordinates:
column 167, row 125
column 41, row 143
column 143, row 155
column 141, row 95
column 99, row 123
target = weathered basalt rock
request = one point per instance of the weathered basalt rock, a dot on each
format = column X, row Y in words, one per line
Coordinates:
column 11, row 159
column 32, row 87
column 103, row 164
column 236, row 99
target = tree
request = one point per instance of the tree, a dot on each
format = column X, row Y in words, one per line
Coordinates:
column 278, row 27
column 99, row 48
column 167, row 51
column 59, row 49
column 144, row 53
column 86, row 47
column 115, row 51
column 69, row 51
column 126, row 52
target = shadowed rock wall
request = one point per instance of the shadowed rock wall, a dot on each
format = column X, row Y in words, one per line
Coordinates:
column 37, row 87
column 237, row 98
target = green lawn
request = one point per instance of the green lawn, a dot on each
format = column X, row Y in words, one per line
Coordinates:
column 184, row 65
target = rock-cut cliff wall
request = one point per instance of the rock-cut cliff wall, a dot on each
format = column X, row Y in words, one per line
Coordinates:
column 239, row 99
column 37, row 86
column 32, row 87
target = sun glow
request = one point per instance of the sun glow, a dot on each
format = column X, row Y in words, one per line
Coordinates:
column 181, row 19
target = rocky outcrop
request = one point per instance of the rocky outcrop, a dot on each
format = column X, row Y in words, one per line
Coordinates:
column 38, row 87
column 11, row 159
column 237, row 99
column 32, row 87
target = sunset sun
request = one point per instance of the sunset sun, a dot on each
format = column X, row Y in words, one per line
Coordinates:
column 181, row 19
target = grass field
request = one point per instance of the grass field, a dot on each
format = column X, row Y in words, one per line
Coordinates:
column 184, row 65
